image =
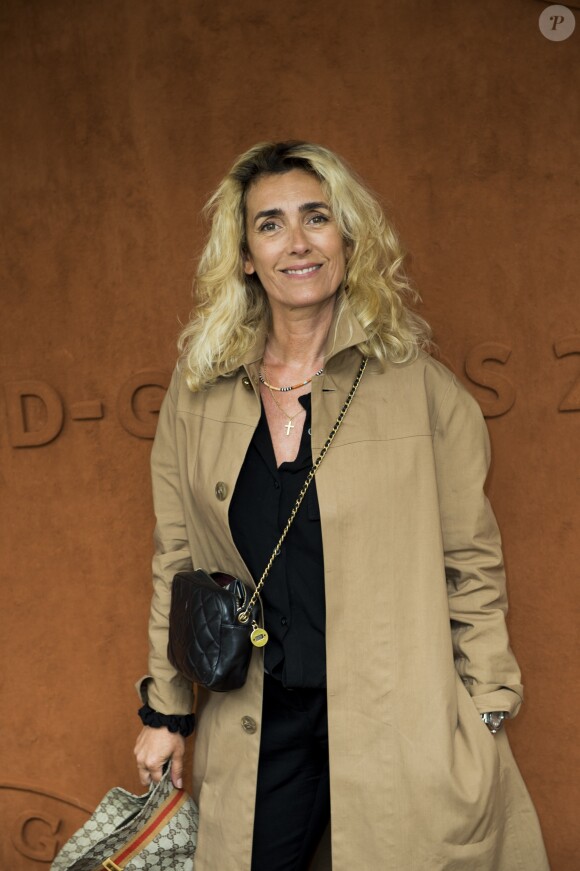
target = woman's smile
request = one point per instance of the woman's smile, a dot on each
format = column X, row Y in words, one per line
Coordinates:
column 302, row 270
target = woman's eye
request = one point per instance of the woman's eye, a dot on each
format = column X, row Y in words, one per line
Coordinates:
column 268, row 227
column 319, row 219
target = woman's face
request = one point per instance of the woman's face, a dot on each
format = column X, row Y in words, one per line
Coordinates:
column 294, row 245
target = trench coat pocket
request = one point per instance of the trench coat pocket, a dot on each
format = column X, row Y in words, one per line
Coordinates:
column 462, row 782
column 494, row 825
column 475, row 771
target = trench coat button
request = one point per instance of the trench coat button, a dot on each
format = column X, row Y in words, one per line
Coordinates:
column 249, row 725
column 246, row 382
column 221, row 491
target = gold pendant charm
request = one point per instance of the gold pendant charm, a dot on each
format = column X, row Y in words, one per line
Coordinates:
column 259, row 637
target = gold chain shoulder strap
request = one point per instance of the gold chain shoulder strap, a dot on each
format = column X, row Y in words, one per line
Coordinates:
column 244, row 615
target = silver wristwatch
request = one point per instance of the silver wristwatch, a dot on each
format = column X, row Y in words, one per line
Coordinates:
column 494, row 720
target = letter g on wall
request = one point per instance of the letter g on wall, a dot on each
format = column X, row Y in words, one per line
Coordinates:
column 42, row 845
column 35, row 824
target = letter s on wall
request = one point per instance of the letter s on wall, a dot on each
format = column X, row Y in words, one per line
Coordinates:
column 563, row 348
column 481, row 376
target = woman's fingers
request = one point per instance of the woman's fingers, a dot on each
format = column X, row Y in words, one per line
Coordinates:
column 152, row 750
column 156, row 771
column 177, row 767
column 144, row 776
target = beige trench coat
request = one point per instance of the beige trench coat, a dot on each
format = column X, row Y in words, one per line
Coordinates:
column 416, row 638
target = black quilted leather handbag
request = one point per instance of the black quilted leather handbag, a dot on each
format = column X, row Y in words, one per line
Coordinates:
column 207, row 643
column 213, row 618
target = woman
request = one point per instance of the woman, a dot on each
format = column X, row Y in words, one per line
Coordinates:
column 386, row 608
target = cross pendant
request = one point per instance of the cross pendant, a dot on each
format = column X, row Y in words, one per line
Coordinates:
column 289, row 426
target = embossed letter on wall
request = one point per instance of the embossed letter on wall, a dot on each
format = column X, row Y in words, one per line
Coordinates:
column 563, row 348
column 479, row 374
column 35, row 413
column 139, row 402
column 35, row 824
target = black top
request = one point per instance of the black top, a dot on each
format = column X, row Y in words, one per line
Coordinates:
column 293, row 594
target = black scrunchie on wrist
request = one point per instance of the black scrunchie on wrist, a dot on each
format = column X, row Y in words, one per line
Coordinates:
column 182, row 723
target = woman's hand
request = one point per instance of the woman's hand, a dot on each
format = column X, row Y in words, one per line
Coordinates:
column 153, row 748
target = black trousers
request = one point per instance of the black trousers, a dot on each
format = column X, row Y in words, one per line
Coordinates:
column 293, row 797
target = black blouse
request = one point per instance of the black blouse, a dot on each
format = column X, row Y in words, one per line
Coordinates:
column 293, row 594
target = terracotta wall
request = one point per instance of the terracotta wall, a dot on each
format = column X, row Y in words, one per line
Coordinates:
column 118, row 118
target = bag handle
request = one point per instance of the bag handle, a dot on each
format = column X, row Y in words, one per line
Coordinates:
column 244, row 615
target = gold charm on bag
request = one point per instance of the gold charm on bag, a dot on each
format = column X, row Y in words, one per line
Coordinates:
column 258, row 636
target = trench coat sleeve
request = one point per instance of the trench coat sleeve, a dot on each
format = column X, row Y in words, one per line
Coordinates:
column 474, row 568
column 165, row 689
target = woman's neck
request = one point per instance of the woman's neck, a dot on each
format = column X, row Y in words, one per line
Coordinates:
column 297, row 338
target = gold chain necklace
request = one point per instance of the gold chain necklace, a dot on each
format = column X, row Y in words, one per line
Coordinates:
column 290, row 425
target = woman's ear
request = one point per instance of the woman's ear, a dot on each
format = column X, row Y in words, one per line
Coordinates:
column 249, row 268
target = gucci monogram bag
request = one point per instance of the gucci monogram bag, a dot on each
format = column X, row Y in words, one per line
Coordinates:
column 152, row 832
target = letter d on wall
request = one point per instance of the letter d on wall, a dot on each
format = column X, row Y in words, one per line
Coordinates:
column 16, row 393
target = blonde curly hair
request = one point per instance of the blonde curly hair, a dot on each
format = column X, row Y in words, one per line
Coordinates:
column 231, row 306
